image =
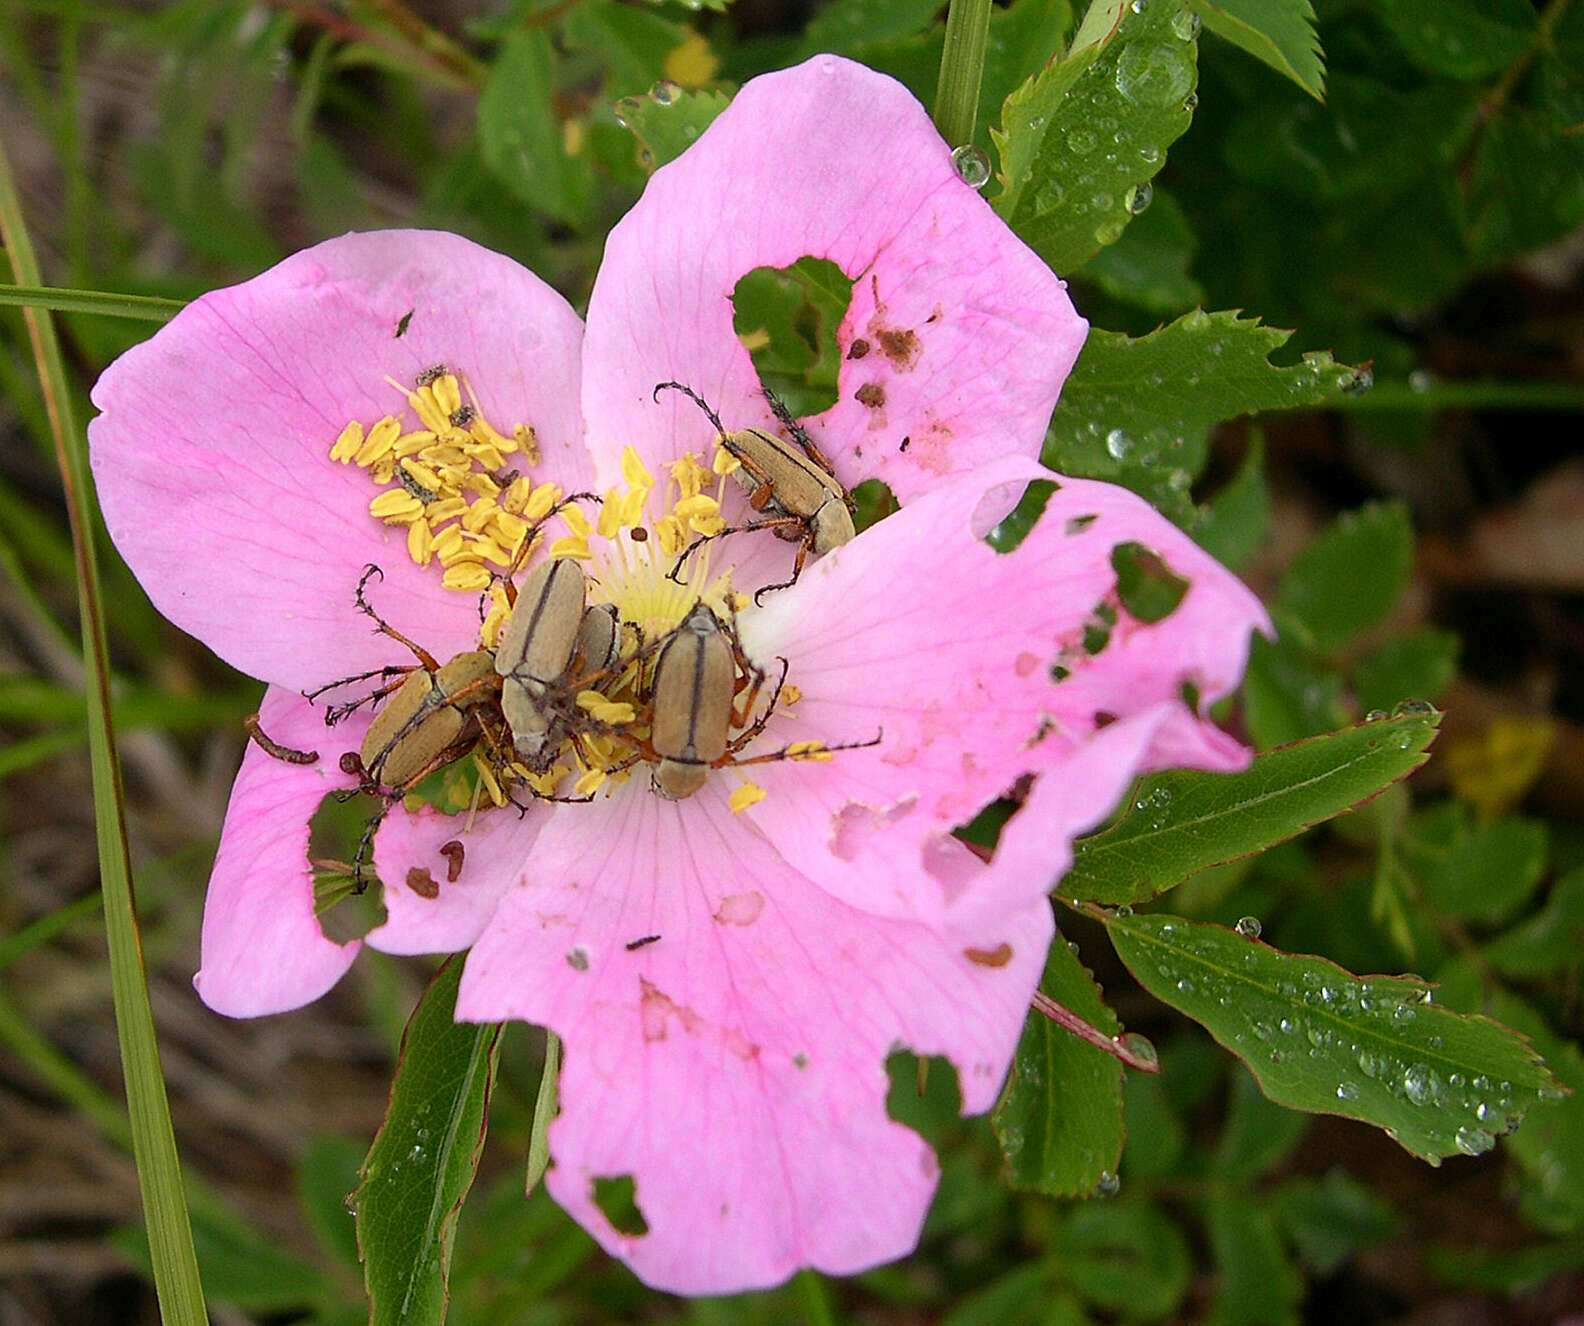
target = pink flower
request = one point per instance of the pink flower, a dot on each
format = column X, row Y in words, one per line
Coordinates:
column 733, row 1063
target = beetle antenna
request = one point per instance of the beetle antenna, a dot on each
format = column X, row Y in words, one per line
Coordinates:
column 709, row 413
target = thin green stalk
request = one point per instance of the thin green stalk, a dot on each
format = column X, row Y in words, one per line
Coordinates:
column 153, row 1141
column 962, row 70
column 148, row 308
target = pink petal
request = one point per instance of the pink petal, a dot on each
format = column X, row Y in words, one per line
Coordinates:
column 211, row 453
column 262, row 949
column 733, row 1066
column 971, row 335
column 495, row 851
column 919, row 631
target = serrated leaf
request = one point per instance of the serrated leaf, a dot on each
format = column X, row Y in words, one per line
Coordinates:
column 1080, row 138
column 631, row 43
column 1184, row 821
column 1059, row 1121
column 667, row 128
column 424, row 1157
column 1528, row 185
column 1329, row 1219
column 1288, row 695
column 1281, row 33
column 1346, row 580
column 1322, row 1040
column 521, row 137
column 1476, row 872
column 1138, row 411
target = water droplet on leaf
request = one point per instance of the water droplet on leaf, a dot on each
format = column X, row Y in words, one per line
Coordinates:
column 664, row 92
column 1186, row 24
column 1139, row 197
column 972, row 165
column 1248, row 927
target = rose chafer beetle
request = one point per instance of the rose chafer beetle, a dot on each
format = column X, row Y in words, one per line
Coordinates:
column 792, row 485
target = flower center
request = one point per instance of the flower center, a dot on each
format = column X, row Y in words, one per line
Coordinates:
column 646, row 555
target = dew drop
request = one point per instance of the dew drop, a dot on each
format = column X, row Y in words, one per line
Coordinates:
column 1190, row 102
column 1107, row 1184
column 664, row 92
column 1150, row 155
column 1139, row 197
column 1124, row 911
column 1140, row 1047
column 1473, row 1141
column 1050, row 196
column 1119, row 446
column 1288, row 1025
column 1418, row 1084
column 1347, row 1091
column 1080, row 141
column 625, row 109
column 1248, row 927
column 1185, row 987
column 1109, row 233
column 1376, row 716
column 972, row 165
column 1186, row 25
column 1264, row 1030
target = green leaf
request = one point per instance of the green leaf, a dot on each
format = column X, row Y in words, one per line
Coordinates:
column 521, row 136
column 1183, row 821
column 424, row 1158
column 1138, row 411
column 1416, row 665
column 1330, row 1219
column 1548, row 943
column 1156, row 1137
column 1476, row 872
column 1148, row 588
column 631, row 42
column 1059, row 1121
column 1322, row 1040
column 667, row 127
column 1126, row 1257
column 788, row 318
column 1257, row 1284
column 147, row 308
column 1258, row 1135
column 326, row 1175
column 1348, row 578
column 1149, row 266
column 1279, row 32
column 241, row 1266
column 1287, row 695
column 1236, row 519
column 1528, row 185
column 1463, row 39
column 844, row 26
column 1080, row 138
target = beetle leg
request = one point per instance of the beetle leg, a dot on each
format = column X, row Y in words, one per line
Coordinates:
column 800, row 435
column 793, row 525
column 693, row 396
column 250, row 725
column 383, row 627
column 820, row 748
column 797, row 569
column 531, row 538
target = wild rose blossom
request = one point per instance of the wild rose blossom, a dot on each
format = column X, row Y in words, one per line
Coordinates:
column 728, row 975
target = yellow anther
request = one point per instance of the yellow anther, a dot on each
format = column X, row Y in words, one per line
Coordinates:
column 447, row 542
column 411, row 444
column 485, row 455
column 790, row 693
column 633, row 508
column 572, row 545
column 477, row 516
column 633, row 470
column 445, row 509
column 739, row 602
column 539, row 502
column 495, row 618
column 808, row 750
column 381, row 438
column 610, row 514
column 689, row 475
column 423, row 476
column 420, row 543
column 396, row 507
column 382, row 471
column 589, row 783
column 692, row 510
column 427, row 409
column 348, row 444
column 508, row 529
column 668, row 529
column 487, row 780
column 749, row 794
column 604, row 709
column 447, row 394
column 576, row 521
column 480, row 483
column 527, row 442
column 725, row 462
column 467, row 576
column 441, row 454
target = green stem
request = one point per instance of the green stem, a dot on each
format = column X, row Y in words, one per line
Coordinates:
column 153, row 1141
column 148, row 308
column 962, row 70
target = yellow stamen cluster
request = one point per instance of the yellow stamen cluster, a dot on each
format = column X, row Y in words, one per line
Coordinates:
column 460, row 505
